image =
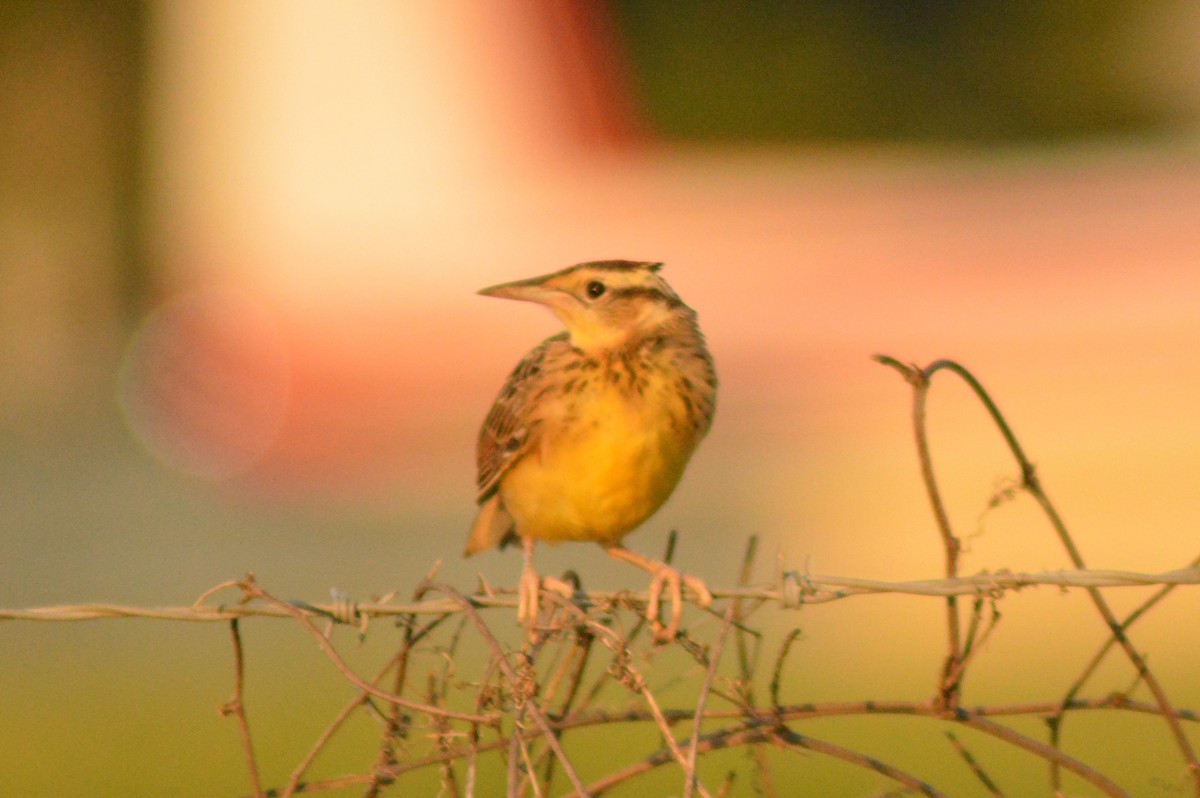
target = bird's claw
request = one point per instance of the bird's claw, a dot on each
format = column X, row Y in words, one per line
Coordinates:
column 670, row 578
column 529, row 594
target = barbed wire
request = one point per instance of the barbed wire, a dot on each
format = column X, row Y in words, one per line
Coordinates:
column 795, row 590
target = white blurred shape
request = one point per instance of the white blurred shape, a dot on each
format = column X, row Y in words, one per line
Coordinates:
column 341, row 145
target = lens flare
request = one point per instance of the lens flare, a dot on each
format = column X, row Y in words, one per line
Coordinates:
column 205, row 382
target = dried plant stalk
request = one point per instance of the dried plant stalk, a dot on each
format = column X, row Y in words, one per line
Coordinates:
column 535, row 715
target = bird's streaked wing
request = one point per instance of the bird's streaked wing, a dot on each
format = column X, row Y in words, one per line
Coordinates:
column 511, row 429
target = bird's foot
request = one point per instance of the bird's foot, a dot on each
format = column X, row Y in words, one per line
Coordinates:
column 671, row 579
column 529, row 594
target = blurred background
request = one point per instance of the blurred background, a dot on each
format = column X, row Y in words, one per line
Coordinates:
column 239, row 244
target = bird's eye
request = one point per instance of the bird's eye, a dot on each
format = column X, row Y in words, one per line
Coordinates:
column 595, row 289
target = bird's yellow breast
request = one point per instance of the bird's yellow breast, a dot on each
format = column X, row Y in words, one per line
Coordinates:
column 612, row 459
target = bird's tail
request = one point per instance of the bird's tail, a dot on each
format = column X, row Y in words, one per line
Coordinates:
column 493, row 527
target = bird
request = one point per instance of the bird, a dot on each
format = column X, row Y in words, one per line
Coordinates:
column 594, row 427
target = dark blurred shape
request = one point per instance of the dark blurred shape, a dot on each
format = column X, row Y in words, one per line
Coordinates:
column 910, row 70
column 72, row 263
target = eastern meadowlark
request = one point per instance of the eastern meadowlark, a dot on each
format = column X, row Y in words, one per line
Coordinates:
column 593, row 429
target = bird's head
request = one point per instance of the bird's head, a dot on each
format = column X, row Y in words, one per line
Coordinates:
column 604, row 304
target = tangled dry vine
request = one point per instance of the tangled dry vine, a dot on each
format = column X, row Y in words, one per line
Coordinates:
column 464, row 707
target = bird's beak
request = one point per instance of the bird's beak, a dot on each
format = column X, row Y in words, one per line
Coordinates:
column 531, row 290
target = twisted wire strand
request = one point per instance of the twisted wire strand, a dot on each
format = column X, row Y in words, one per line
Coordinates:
column 795, row 590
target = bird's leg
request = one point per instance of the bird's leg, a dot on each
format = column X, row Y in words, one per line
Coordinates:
column 529, row 588
column 663, row 576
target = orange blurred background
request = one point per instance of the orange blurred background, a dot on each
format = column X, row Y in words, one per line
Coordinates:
column 238, row 331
